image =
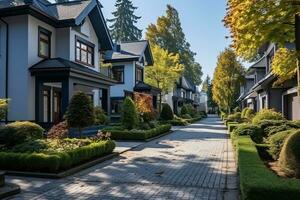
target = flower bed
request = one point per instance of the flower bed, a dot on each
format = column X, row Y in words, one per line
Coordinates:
column 257, row 182
column 118, row 133
column 45, row 158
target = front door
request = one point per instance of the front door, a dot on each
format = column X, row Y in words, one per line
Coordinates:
column 56, row 106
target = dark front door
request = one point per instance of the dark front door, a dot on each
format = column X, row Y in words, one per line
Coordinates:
column 56, row 106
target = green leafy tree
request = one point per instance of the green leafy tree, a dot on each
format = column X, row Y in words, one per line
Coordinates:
column 205, row 84
column 80, row 113
column 129, row 116
column 228, row 77
column 168, row 34
column 123, row 26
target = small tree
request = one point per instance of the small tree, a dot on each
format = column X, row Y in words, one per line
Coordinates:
column 166, row 112
column 80, row 113
column 129, row 116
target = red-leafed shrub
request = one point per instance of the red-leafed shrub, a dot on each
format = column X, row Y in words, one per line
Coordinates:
column 144, row 105
column 58, row 131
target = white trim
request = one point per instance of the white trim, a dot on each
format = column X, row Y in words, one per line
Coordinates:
column 290, row 91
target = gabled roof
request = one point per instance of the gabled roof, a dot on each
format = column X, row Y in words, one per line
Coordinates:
column 186, row 84
column 130, row 51
column 64, row 14
column 142, row 86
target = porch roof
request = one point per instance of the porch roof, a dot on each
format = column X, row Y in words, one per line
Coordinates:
column 60, row 65
column 141, row 86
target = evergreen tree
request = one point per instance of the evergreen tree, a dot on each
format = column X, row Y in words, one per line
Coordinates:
column 123, row 24
column 228, row 77
column 168, row 34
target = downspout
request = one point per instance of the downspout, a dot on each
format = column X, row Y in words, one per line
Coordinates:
column 6, row 64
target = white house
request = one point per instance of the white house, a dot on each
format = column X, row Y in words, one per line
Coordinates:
column 49, row 51
column 129, row 60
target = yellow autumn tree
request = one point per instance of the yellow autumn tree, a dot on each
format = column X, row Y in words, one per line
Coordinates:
column 165, row 71
column 227, row 79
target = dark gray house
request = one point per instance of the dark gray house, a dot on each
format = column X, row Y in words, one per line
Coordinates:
column 48, row 52
column 259, row 91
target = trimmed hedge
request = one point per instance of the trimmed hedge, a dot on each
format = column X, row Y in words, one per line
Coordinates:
column 137, row 134
column 253, row 131
column 232, row 126
column 257, row 182
column 54, row 162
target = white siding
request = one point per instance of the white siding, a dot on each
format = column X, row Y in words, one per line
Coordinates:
column 129, row 80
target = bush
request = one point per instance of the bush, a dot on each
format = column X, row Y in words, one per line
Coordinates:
column 144, row 106
column 18, row 132
column 80, row 113
column 243, row 113
column 257, row 182
column 255, row 132
column 3, row 108
column 100, row 116
column 137, row 134
column 236, row 109
column 271, row 130
column 129, row 116
column 236, row 117
column 184, row 110
column 267, row 114
column 267, row 123
column 166, row 112
column 186, row 116
column 249, row 114
column 276, row 142
column 203, row 114
column 54, row 162
column 30, row 146
column 188, row 109
column 232, row 126
column 58, row 131
column 289, row 158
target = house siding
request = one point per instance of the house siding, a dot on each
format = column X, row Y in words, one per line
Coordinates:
column 129, row 80
column 2, row 58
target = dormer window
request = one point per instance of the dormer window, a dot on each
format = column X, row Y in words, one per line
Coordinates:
column 84, row 52
column 44, row 46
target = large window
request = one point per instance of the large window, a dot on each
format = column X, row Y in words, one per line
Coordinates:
column 118, row 73
column 44, row 46
column 84, row 52
column 139, row 75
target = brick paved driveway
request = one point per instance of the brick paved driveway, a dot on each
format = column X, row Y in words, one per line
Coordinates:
column 195, row 162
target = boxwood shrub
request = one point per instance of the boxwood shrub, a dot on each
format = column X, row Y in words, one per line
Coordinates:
column 267, row 114
column 257, row 182
column 135, row 134
column 54, row 162
column 255, row 132
column 232, row 126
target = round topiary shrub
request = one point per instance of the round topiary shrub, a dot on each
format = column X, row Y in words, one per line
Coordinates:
column 80, row 113
column 255, row 132
column 129, row 116
column 19, row 132
column 267, row 114
column 289, row 158
column 166, row 112
column 276, row 142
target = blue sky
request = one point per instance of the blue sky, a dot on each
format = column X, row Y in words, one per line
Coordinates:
column 201, row 21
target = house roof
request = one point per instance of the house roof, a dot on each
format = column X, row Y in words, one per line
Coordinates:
column 130, row 51
column 60, row 64
column 142, row 86
column 65, row 14
column 186, row 84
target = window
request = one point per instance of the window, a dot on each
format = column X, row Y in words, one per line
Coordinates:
column 139, row 75
column 84, row 52
column 118, row 73
column 44, row 46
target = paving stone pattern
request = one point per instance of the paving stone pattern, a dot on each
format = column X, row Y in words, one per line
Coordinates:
column 194, row 162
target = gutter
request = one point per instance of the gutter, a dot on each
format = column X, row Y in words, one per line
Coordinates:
column 6, row 64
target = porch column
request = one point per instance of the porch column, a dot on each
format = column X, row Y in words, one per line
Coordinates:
column 38, row 99
column 65, row 95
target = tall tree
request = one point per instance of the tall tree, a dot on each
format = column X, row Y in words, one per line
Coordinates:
column 206, row 84
column 168, row 34
column 123, row 26
column 165, row 71
column 253, row 23
column 228, row 77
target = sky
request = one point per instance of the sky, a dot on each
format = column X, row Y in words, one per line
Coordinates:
column 201, row 21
